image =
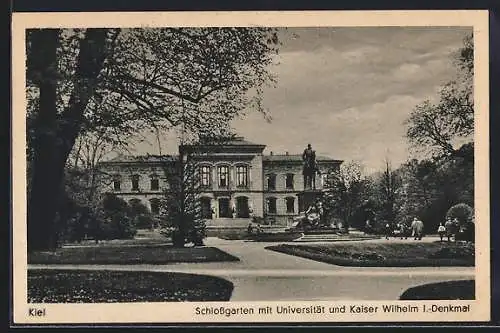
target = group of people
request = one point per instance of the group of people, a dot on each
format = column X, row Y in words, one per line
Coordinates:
column 449, row 229
column 402, row 230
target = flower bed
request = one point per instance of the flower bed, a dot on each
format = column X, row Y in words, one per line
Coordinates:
column 87, row 286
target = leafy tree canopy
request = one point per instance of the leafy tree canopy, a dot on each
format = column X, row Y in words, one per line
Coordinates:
column 439, row 128
column 190, row 77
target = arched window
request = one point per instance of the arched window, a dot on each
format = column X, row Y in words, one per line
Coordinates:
column 117, row 183
column 223, row 173
column 290, row 205
column 155, row 206
column 135, row 182
column 242, row 176
column 205, row 175
column 155, row 183
column 289, row 181
column 271, row 205
column 271, row 181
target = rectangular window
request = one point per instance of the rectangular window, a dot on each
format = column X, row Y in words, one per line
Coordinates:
column 223, row 172
column 271, row 205
column 290, row 205
column 135, row 183
column 289, row 181
column 155, row 184
column 155, row 206
column 242, row 176
column 271, row 182
column 205, row 176
column 117, row 184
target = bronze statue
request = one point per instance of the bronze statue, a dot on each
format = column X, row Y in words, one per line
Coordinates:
column 310, row 167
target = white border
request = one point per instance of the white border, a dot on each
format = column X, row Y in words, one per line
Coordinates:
column 184, row 312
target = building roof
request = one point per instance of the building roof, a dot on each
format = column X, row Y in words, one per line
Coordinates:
column 234, row 141
column 142, row 158
column 240, row 141
column 294, row 158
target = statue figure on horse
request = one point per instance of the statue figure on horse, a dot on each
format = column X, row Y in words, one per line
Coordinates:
column 310, row 168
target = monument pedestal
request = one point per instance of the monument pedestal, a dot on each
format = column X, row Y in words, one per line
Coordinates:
column 307, row 198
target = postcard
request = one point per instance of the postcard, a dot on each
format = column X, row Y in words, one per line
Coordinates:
column 250, row 167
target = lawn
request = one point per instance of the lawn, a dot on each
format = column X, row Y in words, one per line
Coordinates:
column 449, row 290
column 125, row 255
column 78, row 286
column 383, row 255
column 120, row 242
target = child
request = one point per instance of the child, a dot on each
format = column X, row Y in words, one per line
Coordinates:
column 388, row 231
column 397, row 231
column 441, row 231
column 402, row 231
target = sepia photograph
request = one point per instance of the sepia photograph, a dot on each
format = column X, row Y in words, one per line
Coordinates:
column 316, row 170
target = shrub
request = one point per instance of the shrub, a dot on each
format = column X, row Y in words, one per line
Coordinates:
column 140, row 214
column 448, row 290
column 117, row 226
column 462, row 212
column 466, row 232
column 117, row 223
column 197, row 232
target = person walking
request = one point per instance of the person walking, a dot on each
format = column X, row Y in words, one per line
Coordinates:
column 388, row 231
column 417, row 227
column 450, row 228
column 368, row 227
column 441, row 231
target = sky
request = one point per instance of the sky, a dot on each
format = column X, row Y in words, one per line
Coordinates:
column 346, row 91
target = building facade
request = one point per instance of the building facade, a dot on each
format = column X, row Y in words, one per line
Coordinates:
column 237, row 181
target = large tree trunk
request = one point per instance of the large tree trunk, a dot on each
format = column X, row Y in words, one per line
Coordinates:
column 45, row 177
column 56, row 134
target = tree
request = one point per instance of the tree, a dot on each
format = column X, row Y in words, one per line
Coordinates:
column 125, row 80
column 439, row 128
column 182, row 201
column 80, row 204
column 430, row 187
column 388, row 185
column 345, row 192
column 444, row 129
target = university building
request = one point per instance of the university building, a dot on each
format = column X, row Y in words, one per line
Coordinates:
column 237, row 181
